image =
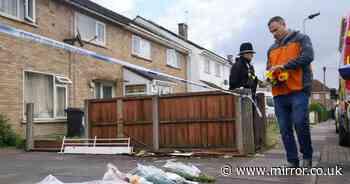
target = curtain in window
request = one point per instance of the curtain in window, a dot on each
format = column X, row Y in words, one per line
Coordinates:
column 61, row 101
column 136, row 44
column 86, row 26
column 98, row 90
column 9, row 7
column 100, row 32
column 39, row 90
column 146, row 49
column 107, row 91
column 170, row 57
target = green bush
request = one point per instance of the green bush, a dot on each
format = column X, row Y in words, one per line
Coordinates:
column 322, row 113
column 20, row 142
column 8, row 137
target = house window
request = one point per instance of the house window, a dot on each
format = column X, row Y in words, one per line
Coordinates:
column 162, row 90
column 61, row 100
column 139, row 89
column 90, row 29
column 141, row 47
column 207, row 66
column 19, row 9
column 328, row 96
column 218, row 69
column 49, row 93
column 173, row 58
column 316, row 96
column 104, row 89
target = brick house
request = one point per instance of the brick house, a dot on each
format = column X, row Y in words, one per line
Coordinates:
column 203, row 66
column 55, row 79
column 321, row 94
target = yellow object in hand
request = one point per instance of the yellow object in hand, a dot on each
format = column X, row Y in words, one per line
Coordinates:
column 283, row 76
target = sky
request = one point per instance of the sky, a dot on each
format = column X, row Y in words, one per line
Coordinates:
column 222, row 25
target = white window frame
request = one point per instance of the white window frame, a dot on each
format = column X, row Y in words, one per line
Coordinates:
column 55, row 100
column 104, row 83
column 173, row 58
column 218, row 70
column 26, row 10
column 18, row 12
column 104, row 33
column 54, row 76
column 207, row 66
column 141, row 44
column 95, row 41
column 134, row 94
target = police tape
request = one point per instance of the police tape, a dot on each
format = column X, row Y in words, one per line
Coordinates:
column 56, row 44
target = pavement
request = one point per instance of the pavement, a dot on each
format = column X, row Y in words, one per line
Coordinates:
column 20, row 167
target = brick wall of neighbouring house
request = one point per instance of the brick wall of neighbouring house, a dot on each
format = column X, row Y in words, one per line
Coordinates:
column 56, row 21
column 326, row 102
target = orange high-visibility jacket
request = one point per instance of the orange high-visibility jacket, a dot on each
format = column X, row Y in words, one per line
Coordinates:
column 295, row 53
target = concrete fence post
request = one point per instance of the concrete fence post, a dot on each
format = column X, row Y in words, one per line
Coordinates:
column 86, row 119
column 29, row 126
column 155, row 117
column 120, row 123
column 244, row 124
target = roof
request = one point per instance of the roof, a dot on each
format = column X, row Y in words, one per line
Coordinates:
column 318, row 86
column 178, row 36
column 148, row 75
column 101, row 10
column 111, row 15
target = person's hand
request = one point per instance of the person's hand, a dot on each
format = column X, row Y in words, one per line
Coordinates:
column 276, row 68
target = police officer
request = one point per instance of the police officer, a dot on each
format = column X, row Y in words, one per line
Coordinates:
column 242, row 72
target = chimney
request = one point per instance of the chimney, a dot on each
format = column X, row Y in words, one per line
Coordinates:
column 230, row 58
column 183, row 30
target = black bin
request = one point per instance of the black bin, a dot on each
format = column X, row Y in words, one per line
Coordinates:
column 74, row 122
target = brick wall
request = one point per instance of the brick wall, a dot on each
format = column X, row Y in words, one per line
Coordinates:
column 56, row 21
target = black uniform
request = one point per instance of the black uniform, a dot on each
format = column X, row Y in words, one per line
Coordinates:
column 243, row 75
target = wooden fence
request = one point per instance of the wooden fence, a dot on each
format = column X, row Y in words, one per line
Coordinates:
column 190, row 120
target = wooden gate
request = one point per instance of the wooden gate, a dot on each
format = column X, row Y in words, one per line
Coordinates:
column 102, row 117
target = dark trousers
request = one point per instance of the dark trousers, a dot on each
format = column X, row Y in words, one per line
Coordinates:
column 292, row 112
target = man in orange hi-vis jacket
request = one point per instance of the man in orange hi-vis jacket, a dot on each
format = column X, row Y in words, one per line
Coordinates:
column 292, row 52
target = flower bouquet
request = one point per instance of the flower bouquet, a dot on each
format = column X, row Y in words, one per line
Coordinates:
column 277, row 77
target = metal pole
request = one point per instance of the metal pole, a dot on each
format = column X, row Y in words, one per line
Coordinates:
column 324, row 78
column 29, row 126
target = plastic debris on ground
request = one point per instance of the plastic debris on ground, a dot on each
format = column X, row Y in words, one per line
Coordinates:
column 143, row 175
column 112, row 176
column 188, row 171
column 152, row 174
column 179, row 167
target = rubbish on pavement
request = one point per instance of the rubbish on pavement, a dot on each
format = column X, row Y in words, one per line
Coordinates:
column 152, row 174
column 188, row 171
column 177, row 173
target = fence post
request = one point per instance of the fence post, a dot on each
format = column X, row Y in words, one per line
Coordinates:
column 260, row 122
column 155, row 114
column 29, row 126
column 248, row 127
column 238, row 127
column 244, row 124
column 120, row 125
column 86, row 119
